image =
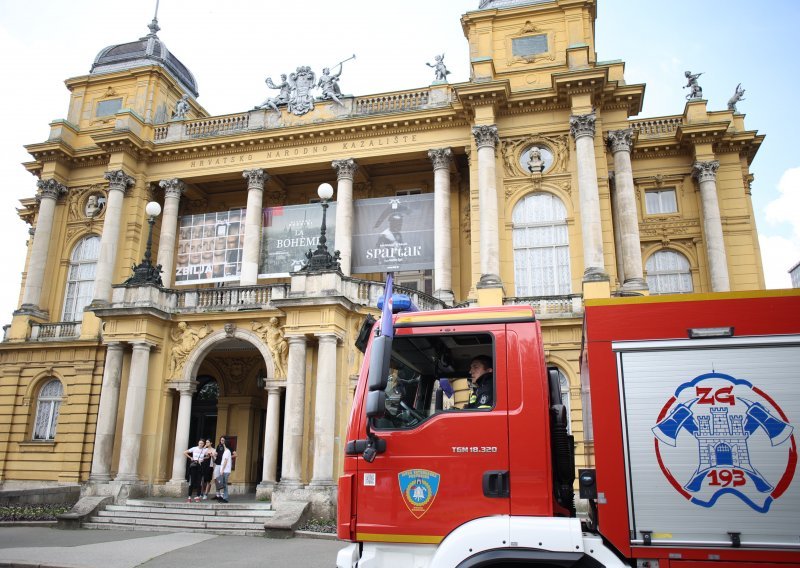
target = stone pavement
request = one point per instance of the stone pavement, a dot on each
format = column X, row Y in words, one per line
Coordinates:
column 31, row 547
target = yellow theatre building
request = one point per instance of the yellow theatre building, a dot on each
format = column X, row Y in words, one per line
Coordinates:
column 535, row 182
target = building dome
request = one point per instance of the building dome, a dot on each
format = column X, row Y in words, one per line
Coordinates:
column 489, row 4
column 147, row 50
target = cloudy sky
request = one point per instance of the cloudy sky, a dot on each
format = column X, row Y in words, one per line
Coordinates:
column 232, row 46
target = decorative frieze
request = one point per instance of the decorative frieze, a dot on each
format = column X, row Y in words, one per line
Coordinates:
column 581, row 125
column 50, row 189
column 172, row 187
column 705, row 171
column 255, row 178
column 345, row 169
column 119, row 180
column 620, row 140
column 485, row 135
column 441, row 158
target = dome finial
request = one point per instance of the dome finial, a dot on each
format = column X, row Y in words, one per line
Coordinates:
column 153, row 27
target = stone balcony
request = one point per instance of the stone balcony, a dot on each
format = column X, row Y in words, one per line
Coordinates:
column 550, row 307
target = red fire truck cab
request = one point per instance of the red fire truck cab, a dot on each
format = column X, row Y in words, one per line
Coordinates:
column 690, row 407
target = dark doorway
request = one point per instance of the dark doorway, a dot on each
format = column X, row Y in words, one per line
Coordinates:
column 204, row 411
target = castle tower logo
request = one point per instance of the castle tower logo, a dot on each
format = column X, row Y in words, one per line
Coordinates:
column 720, row 436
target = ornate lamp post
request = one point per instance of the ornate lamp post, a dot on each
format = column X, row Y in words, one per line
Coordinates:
column 321, row 259
column 145, row 272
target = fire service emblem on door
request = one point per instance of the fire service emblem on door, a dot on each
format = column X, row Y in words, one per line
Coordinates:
column 418, row 488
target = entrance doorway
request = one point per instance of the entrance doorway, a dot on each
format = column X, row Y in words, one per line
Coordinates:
column 203, row 422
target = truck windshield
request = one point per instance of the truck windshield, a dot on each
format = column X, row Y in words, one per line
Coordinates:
column 431, row 374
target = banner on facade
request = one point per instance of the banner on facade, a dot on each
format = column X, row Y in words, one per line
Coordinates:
column 209, row 247
column 288, row 232
column 391, row 234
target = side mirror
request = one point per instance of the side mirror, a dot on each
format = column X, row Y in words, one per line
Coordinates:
column 364, row 332
column 376, row 404
column 379, row 359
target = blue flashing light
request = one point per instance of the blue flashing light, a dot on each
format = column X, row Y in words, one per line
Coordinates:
column 400, row 303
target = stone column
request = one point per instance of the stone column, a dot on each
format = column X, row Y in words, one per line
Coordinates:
column 325, row 410
column 620, row 143
column 173, row 189
column 706, row 175
column 292, row 462
column 345, row 170
column 49, row 191
column 252, row 225
column 272, row 426
column 107, row 414
column 134, row 413
column 442, row 249
column 118, row 184
column 486, row 140
column 186, row 390
column 582, row 129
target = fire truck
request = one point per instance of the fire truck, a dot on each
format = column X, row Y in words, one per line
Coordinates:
column 691, row 406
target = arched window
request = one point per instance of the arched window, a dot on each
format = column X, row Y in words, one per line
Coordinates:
column 541, row 246
column 668, row 272
column 80, row 278
column 47, row 409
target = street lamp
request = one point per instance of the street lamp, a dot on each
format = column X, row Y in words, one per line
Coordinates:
column 321, row 259
column 145, row 272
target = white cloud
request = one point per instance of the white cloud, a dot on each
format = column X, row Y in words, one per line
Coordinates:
column 779, row 253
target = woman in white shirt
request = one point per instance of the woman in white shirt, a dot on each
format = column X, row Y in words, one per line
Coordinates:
column 196, row 454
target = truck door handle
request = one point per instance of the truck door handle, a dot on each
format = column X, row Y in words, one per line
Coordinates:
column 496, row 484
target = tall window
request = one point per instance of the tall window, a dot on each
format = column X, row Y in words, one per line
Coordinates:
column 541, row 246
column 47, row 411
column 80, row 279
column 668, row 272
column 660, row 201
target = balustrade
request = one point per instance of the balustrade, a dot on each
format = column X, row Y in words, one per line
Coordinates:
column 656, row 126
column 547, row 307
column 391, row 103
column 216, row 125
column 55, row 331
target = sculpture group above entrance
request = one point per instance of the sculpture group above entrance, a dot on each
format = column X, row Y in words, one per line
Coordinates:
column 294, row 91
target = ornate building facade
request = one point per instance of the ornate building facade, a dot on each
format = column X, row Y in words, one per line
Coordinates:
column 535, row 180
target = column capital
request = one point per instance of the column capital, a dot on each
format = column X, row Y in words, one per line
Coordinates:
column 327, row 337
column 172, row 187
column 142, row 345
column 345, row 169
column 184, row 387
column 441, row 158
column 296, row 339
column 49, row 189
column 255, row 178
column 485, row 135
column 705, row 171
column 620, row 140
column 119, row 180
column 581, row 125
column 274, row 387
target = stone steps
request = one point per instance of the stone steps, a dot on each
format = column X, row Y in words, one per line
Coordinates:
column 205, row 517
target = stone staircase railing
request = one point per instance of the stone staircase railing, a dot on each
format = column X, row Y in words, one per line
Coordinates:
column 55, row 331
column 216, row 125
column 392, row 102
column 550, row 307
column 657, row 126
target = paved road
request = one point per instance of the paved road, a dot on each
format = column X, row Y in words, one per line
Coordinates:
column 38, row 546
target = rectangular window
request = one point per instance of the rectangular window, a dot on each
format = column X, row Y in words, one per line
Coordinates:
column 408, row 192
column 659, row 201
column 431, row 374
column 529, row 45
column 108, row 108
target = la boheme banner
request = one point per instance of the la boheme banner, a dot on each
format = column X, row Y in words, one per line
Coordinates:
column 389, row 234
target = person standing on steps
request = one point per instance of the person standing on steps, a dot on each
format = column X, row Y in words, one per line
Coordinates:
column 224, row 472
column 196, row 454
column 207, row 469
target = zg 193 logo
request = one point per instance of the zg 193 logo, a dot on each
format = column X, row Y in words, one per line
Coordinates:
column 718, row 436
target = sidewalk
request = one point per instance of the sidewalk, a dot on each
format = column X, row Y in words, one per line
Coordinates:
column 31, row 547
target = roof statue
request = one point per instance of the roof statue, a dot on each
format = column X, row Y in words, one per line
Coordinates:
column 147, row 50
column 695, row 90
column 737, row 96
column 439, row 68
